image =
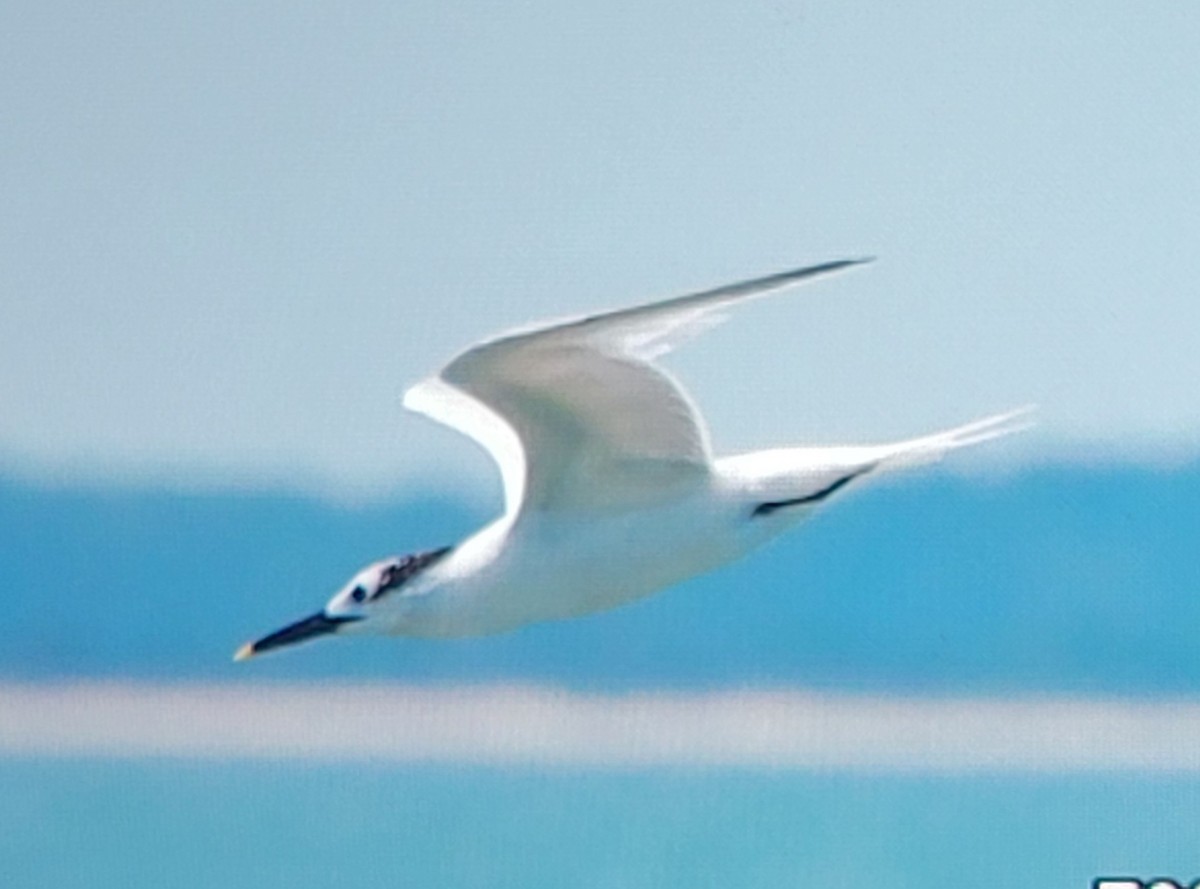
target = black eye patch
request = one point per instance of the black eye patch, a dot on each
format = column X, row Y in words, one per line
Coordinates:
column 358, row 594
column 395, row 575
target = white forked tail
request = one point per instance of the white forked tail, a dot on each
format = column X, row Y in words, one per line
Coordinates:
column 930, row 448
column 779, row 482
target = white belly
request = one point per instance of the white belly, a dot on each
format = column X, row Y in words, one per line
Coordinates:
column 567, row 566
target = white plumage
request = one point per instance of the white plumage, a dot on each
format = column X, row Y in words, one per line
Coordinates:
column 610, row 487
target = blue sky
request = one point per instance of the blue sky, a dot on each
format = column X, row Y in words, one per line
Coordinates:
column 235, row 232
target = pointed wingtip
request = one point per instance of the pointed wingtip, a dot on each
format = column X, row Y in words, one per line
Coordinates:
column 850, row 261
column 244, row 653
column 794, row 276
column 837, row 265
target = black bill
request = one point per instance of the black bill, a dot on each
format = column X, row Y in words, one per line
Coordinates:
column 319, row 624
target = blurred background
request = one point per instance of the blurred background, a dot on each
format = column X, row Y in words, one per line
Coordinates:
column 234, row 234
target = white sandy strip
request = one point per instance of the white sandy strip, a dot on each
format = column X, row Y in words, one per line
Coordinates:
column 514, row 725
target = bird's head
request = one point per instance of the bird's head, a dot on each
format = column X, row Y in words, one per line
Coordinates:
column 361, row 606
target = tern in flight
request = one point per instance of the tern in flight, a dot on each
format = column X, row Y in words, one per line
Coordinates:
column 611, row 491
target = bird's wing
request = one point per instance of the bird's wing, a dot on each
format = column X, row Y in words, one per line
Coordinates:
column 575, row 413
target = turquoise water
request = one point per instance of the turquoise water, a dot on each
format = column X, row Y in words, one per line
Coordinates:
column 1058, row 579
column 165, row 823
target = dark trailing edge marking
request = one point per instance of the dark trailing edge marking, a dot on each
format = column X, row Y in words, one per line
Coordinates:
column 771, row 506
column 405, row 568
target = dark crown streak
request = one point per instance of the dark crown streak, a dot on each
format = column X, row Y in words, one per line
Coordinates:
column 398, row 574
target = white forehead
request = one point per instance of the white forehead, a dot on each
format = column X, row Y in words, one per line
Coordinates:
column 370, row 575
column 344, row 600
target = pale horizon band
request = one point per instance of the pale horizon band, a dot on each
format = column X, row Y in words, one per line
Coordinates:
column 537, row 726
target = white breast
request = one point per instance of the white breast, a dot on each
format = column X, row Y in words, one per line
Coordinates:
column 573, row 566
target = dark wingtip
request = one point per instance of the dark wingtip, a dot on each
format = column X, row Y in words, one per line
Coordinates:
column 852, row 261
column 815, row 497
column 835, row 265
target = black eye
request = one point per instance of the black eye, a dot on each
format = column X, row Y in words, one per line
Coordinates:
column 358, row 594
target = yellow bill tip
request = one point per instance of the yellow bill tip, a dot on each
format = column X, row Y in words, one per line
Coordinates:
column 245, row 652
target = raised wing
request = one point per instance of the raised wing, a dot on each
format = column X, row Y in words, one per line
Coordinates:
column 575, row 413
